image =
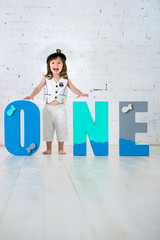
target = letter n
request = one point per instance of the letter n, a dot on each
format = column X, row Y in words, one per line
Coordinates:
column 97, row 131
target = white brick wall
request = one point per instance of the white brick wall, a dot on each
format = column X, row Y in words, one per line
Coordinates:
column 105, row 41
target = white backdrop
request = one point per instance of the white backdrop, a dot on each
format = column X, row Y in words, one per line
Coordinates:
column 112, row 49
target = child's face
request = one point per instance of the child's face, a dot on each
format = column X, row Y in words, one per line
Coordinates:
column 56, row 66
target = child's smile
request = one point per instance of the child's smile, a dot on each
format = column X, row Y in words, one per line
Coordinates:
column 56, row 65
column 56, row 69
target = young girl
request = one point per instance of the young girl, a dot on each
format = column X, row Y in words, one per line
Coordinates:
column 56, row 82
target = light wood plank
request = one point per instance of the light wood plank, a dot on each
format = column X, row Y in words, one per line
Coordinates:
column 69, row 197
column 116, row 189
column 65, row 216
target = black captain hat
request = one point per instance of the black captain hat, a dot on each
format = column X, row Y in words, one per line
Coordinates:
column 56, row 54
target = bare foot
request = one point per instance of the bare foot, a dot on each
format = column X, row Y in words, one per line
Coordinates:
column 47, row 152
column 61, row 152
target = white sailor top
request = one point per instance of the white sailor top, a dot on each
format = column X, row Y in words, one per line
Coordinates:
column 56, row 91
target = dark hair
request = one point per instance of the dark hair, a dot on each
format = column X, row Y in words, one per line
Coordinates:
column 63, row 73
column 56, row 54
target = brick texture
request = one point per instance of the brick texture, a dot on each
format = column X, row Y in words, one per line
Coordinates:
column 112, row 49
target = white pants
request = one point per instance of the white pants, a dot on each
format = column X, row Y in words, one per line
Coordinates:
column 55, row 119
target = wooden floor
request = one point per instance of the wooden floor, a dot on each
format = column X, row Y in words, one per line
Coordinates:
column 76, row 198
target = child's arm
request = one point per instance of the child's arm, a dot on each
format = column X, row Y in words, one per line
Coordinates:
column 37, row 89
column 76, row 90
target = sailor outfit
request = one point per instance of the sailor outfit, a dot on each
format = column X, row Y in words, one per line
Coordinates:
column 56, row 90
column 55, row 116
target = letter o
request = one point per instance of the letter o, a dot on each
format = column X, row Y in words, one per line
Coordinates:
column 12, row 127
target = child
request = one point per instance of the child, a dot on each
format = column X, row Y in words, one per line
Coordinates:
column 56, row 82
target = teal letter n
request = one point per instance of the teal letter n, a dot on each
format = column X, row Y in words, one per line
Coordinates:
column 84, row 125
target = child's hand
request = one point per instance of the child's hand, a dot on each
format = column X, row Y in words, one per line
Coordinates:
column 82, row 95
column 28, row 97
